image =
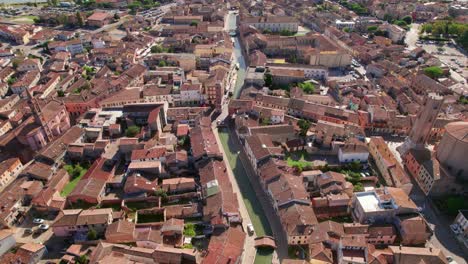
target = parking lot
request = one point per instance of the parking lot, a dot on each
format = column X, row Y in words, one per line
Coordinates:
column 37, row 236
column 450, row 56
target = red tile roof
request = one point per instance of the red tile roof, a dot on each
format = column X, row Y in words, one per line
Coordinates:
column 98, row 16
column 154, row 153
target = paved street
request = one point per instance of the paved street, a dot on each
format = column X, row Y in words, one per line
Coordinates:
column 443, row 237
column 412, row 36
column 38, row 237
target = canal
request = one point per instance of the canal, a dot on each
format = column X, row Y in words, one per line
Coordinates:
column 253, row 205
column 239, row 58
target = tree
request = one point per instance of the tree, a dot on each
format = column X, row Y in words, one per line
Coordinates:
column 160, row 193
column 189, row 230
column 381, row 33
column 134, row 6
column 439, row 28
column 355, row 166
column 37, row 20
column 89, row 70
column 307, row 87
column 11, row 80
column 75, row 170
column 132, row 131
column 15, row 63
column 427, row 28
column 407, row 19
column 268, row 78
column 304, row 125
column 358, row 187
column 401, row 23
column 162, row 63
column 455, row 203
column 83, row 259
column 79, row 19
column 434, row 72
column 60, row 93
column 92, row 234
column 388, row 17
column 116, row 16
column 463, row 40
column 194, row 23
column 346, row 29
column 62, row 19
column 266, row 121
column 463, row 100
column 286, row 32
column 52, row 2
column 371, row 28
column 158, row 49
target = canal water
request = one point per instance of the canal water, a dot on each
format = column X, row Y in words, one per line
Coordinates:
column 239, row 58
column 256, row 213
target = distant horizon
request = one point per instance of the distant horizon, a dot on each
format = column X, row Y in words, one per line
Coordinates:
column 22, row 1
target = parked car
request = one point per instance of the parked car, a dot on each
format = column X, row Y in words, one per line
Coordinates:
column 38, row 221
column 43, row 227
column 28, row 231
column 250, row 229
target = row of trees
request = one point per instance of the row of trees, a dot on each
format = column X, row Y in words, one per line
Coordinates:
column 142, row 4
column 283, row 32
column 63, row 19
column 448, row 28
column 357, row 8
column 161, row 49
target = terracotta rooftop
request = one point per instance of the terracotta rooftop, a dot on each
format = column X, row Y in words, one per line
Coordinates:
column 98, row 16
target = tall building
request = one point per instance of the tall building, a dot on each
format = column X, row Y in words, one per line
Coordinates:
column 453, row 148
column 425, row 120
column 442, row 172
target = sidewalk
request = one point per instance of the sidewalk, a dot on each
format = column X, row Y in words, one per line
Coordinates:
column 250, row 251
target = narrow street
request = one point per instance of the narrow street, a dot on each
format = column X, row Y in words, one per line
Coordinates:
column 412, row 36
column 443, row 236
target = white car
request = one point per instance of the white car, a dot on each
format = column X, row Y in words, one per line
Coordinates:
column 44, row 227
column 38, row 221
column 250, row 229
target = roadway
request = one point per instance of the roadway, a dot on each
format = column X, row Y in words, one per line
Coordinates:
column 443, row 237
